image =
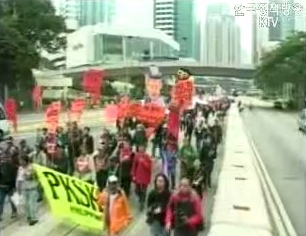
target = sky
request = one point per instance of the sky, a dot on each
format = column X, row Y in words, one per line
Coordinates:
column 129, row 13
column 135, row 12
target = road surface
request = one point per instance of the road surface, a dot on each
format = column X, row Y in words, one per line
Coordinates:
column 283, row 150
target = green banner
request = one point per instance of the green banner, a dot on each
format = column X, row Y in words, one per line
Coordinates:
column 70, row 198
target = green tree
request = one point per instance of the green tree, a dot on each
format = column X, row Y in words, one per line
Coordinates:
column 286, row 63
column 26, row 28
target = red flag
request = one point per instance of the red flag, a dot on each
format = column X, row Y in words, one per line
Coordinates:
column 76, row 109
column 37, row 95
column 52, row 116
column 111, row 113
column 92, row 83
column 173, row 125
column 10, row 108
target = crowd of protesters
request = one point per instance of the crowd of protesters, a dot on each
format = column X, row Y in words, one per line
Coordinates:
column 117, row 161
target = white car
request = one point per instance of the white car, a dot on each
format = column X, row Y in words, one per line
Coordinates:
column 4, row 124
column 302, row 120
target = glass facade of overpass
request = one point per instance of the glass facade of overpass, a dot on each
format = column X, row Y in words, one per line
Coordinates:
column 121, row 48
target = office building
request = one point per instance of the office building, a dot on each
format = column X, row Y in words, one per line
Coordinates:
column 285, row 20
column 220, row 38
column 164, row 16
column 177, row 18
column 260, row 38
column 96, row 11
column 69, row 9
column 300, row 17
column 186, row 28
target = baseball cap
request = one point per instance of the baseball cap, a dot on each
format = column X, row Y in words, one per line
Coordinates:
column 112, row 179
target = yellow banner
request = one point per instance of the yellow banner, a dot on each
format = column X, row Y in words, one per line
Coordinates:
column 70, row 197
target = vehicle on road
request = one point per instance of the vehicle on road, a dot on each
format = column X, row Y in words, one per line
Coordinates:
column 302, row 120
column 4, row 124
column 278, row 104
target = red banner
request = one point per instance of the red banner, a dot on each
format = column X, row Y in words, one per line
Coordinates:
column 92, row 84
column 150, row 114
column 10, row 108
column 76, row 109
column 153, row 87
column 52, row 116
column 37, row 96
column 173, row 125
column 182, row 93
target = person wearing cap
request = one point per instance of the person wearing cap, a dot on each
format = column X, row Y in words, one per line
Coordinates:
column 117, row 210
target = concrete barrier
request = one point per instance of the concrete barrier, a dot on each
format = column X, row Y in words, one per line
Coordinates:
column 239, row 205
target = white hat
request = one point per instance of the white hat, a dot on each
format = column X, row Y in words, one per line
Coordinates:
column 112, row 179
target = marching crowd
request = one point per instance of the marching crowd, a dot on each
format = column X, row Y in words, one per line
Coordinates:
column 119, row 161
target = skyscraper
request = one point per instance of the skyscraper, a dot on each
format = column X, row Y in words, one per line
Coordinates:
column 186, row 27
column 260, row 37
column 69, row 10
column 177, row 18
column 220, row 37
column 164, row 16
column 285, row 21
column 96, row 11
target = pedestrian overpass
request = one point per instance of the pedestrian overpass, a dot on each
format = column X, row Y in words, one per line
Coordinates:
column 132, row 68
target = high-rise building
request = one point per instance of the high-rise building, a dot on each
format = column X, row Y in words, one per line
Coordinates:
column 186, row 28
column 300, row 17
column 285, row 20
column 260, row 37
column 164, row 16
column 69, row 10
column 220, row 38
column 96, row 11
column 177, row 18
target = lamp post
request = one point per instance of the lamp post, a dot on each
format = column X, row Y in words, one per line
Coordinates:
column 124, row 49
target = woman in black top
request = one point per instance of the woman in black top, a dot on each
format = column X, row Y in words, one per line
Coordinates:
column 158, row 200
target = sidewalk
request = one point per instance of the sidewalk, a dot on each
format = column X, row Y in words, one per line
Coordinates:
column 240, row 207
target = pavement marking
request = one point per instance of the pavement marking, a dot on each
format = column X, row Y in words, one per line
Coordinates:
column 281, row 219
